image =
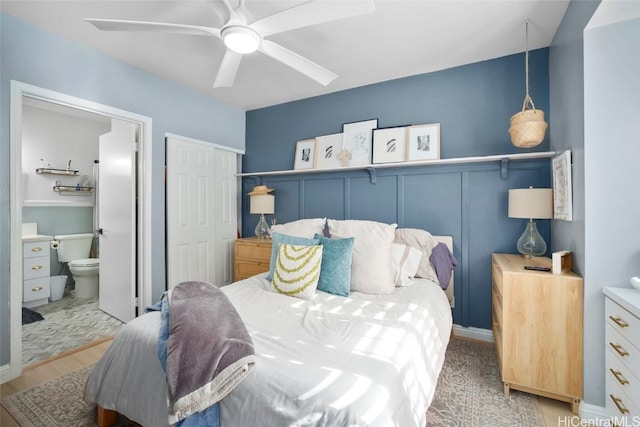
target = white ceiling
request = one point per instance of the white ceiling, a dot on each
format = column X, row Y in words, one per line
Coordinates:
column 401, row 38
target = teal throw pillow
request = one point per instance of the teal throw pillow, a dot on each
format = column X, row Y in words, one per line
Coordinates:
column 289, row 240
column 335, row 271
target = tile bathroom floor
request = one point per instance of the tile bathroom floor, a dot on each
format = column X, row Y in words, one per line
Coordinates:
column 68, row 323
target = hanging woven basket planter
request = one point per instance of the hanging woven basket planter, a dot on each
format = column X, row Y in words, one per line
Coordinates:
column 527, row 126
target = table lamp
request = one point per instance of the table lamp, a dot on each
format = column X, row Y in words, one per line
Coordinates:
column 261, row 202
column 531, row 203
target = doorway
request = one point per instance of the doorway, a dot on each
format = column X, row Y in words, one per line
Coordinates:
column 20, row 92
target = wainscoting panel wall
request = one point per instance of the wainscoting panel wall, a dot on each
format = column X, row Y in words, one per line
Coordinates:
column 467, row 201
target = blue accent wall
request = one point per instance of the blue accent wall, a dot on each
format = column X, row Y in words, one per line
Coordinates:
column 473, row 105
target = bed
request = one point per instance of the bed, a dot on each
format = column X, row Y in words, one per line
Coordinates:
column 357, row 360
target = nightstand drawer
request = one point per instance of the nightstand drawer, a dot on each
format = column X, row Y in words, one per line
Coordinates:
column 252, row 256
column 248, row 269
column 256, row 251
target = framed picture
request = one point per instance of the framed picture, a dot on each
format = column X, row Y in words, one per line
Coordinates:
column 357, row 138
column 327, row 149
column 305, row 154
column 390, row 145
column 562, row 192
column 424, row 142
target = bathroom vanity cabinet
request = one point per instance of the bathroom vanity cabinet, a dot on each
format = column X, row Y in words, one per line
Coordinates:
column 36, row 271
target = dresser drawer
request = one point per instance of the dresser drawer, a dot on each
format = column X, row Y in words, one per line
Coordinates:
column 35, row 289
column 496, row 277
column 622, row 348
column 35, row 249
column 620, row 405
column 622, row 321
column 36, row 267
column 626, row 379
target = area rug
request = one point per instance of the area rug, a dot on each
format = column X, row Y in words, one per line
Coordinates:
column 55, row 403
column 469, row 394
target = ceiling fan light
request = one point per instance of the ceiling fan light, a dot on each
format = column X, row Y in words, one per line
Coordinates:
column 241, row 39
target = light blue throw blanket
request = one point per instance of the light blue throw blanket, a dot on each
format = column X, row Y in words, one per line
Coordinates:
column 204, row 349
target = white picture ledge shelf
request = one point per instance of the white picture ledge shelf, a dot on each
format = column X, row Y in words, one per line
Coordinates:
column 503, row 158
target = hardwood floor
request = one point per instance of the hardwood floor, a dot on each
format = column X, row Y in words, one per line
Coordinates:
column 37, row 373
column 40, row 372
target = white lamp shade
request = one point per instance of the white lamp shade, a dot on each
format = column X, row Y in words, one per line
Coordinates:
column 262, row 204
column 531, row 203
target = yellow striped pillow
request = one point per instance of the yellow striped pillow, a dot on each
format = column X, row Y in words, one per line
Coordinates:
column 297, row 270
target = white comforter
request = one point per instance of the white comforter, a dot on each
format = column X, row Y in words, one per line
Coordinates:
column 363, row 360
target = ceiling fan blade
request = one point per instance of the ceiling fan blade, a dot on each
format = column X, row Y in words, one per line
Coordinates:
column 311, row 13
column 221, row 10
column 121, row 25
column 233, row 16
column 297, row 62
column 228, row 69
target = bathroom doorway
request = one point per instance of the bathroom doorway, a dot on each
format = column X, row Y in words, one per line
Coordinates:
column 140, row 287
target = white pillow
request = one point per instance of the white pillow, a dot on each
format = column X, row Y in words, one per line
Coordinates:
column 406, row 260
column 306, row 228
column 297, row 270
column 424, row 241
column 371, row 269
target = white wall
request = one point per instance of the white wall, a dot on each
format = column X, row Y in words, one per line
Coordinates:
column 57, row 138
column 612, row 179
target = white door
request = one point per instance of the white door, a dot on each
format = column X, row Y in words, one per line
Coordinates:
column 226, row 214
column 116, row 218
column 190, row 212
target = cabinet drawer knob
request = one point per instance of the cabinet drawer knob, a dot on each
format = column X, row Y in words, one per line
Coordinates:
column 36, row 249
column 618, row 321
column 37, row 288
column 619, row 404
column 621, row 379
column 619, row 349
column 36, row 267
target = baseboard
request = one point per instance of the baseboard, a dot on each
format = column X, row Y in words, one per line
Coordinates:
column 5, row 374
column 473, row 333
column 593, row 415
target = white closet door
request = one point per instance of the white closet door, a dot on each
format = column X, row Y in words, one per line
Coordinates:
column 226, row 214
column 117, row 216
column 190, row 212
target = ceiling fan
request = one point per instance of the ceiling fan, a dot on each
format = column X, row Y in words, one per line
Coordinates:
column 242, row 38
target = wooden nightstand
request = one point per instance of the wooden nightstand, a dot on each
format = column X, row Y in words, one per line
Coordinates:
column 537, row 327
column 252, row 256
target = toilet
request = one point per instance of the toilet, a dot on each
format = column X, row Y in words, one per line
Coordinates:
column 74, row 250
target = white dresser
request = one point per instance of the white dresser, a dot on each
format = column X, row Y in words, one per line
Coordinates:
column 622, row 354
column 36, row 270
